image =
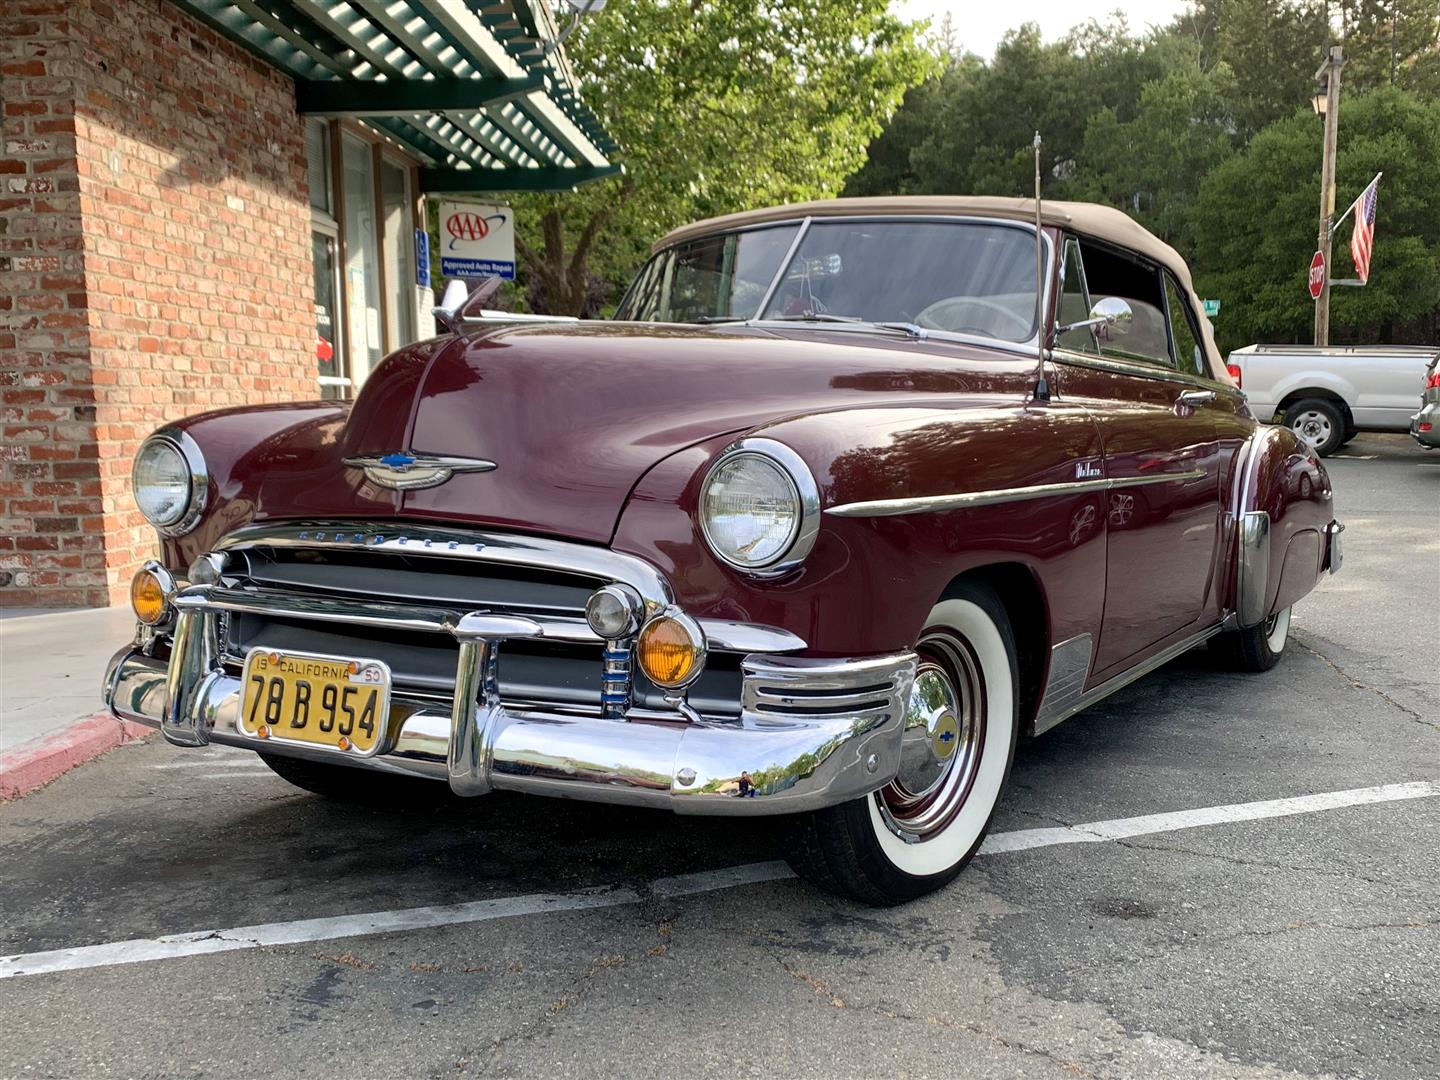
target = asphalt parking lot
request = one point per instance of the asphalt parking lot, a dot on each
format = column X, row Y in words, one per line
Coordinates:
column 558, row 939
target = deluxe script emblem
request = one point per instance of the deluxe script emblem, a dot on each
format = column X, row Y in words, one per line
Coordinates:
column 1086, row 470
column 404, row 471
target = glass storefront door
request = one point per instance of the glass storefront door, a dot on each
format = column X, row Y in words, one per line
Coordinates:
column 399, row 251
column 362, row 212
column 362, row 257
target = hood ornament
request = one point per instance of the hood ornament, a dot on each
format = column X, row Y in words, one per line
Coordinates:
column 404, row 471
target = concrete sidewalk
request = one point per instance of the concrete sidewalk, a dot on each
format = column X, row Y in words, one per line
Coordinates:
column 51, row 665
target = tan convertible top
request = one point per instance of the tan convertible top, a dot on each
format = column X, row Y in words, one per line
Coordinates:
column 1087, row 219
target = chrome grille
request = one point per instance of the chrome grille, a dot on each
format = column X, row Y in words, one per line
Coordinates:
column 437, row 576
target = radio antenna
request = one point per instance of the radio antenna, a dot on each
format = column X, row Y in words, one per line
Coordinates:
column 1042, row 388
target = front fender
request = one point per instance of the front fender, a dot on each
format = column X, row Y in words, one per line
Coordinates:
column 870, row 582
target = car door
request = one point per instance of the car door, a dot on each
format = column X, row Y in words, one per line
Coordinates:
column 1162, row 459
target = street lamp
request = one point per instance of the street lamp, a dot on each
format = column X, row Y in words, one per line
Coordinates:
column 1326, row 103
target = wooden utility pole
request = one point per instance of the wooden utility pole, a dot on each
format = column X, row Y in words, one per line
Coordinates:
column 1329, row 77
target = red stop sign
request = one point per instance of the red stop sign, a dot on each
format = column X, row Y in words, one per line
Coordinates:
column 1317, row 275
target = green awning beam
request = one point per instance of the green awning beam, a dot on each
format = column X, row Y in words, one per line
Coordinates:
column 469, row 181
column 370, row 97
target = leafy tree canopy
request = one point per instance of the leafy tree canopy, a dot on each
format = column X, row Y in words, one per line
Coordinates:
column 1203, row 132
column 720, row 105
column 1255, row 222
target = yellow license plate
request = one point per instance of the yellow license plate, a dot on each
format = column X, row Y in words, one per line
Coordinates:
column 330, row 701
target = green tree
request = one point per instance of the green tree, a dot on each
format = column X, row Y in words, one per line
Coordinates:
column 720, row 106
column 1153, row 164
column 1254, row 226
column 969, row 130
column 1391, row 43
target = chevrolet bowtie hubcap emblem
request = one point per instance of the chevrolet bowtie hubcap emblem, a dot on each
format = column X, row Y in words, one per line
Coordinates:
column 404, row 471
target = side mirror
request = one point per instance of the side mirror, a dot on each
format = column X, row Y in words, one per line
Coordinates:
column 1110, row 312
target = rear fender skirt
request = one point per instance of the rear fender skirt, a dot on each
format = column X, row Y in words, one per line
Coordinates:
column 1303, row 556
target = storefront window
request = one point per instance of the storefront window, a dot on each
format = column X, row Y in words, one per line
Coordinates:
column 363, row 249
column 362, row 258
column 399, row 251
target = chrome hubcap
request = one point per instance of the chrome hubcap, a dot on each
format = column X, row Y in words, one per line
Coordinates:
column 940, row 746
column 1312, row 426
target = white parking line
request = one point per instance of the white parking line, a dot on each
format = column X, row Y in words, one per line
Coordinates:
column 389, row 922
column 240, row 760
column 232, row 775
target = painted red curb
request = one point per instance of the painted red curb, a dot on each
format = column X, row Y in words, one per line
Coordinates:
column 32, row 764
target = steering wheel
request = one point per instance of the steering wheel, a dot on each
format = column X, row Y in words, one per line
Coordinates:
column 943, row 315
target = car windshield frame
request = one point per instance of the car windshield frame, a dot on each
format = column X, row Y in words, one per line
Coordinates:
column 826, row 324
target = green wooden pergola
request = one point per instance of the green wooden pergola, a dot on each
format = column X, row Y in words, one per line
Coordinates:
column 476, row 89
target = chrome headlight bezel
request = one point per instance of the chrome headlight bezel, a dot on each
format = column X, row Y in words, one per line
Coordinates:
column 197, row 473
column 807, row 503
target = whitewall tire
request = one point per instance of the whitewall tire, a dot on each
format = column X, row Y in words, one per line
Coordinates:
column 919, row 831
column 1257, row 648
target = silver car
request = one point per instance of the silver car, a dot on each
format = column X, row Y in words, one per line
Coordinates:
column 1425, row 425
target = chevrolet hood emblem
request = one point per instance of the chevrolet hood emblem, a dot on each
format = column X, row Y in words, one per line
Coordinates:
column 404, row 471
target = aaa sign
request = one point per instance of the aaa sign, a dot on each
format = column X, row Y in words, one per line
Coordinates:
column 477, row 240
column 1317, row 275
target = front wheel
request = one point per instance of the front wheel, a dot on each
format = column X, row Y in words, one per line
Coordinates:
column 915, row 834
column 1256, row 648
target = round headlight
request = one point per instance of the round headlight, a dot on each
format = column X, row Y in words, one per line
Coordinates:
column 759, row 507
column 169, row 482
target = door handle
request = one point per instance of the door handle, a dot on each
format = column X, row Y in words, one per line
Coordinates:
column 1191, row 399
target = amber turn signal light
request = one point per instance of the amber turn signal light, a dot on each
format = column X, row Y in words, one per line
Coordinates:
column 150, row 594
column 671, row 650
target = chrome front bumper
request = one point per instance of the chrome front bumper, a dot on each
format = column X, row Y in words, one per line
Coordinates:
column 846, row 747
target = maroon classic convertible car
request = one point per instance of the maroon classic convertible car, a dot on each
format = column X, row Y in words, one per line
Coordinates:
column 834, row 511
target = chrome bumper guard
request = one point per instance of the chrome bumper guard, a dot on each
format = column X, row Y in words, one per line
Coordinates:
column 811, row 733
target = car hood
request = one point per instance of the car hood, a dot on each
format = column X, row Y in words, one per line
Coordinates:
column 574, row 415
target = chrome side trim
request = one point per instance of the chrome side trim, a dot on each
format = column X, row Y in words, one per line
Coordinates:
column 1065, row 686
column 929, row 504
column 1145, row 371
column 1253, row 572
column 1125, row 678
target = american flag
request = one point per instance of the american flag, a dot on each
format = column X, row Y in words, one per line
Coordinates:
column 1362, row 240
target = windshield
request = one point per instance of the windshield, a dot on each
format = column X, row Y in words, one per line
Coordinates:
column 964, row 277
column 710, row 279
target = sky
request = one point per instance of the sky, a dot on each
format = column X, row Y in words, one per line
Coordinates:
column 979, row 26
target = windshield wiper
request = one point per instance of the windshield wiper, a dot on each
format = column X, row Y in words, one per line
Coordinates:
column 817, row 316
column 906, row 328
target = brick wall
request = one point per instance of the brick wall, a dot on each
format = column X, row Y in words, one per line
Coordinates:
column 51, row 529
column 171, row 223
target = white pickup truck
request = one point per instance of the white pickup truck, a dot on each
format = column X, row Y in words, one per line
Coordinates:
column 1327, row 394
